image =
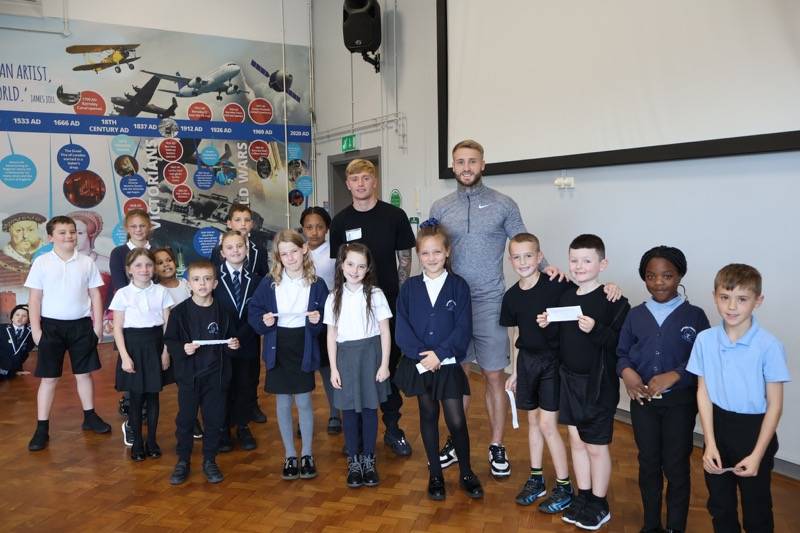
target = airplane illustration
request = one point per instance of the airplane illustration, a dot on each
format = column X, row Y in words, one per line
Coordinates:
column 119, row 54
column 67, row 98
column 217, row 81
column 278, row 80
column 130, row 105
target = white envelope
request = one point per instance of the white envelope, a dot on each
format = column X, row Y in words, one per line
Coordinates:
column 211, row 342
column 563, row 314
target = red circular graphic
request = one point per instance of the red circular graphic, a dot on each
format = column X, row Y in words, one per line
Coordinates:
column 175, row 173
column 182, row 194
column 170, row 149
column 258, row 149
column 134, row 203
column 260, row 110
column 199, row 111
column 233, row 112
column 90, row 103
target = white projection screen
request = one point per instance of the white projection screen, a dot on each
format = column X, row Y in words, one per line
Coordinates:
column 546, row 84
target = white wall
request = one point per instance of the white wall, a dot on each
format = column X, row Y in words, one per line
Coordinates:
column 717, row 211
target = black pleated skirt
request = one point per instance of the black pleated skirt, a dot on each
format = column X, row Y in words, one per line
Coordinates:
column 144, row 345
column 448, row 382
column 287, row 377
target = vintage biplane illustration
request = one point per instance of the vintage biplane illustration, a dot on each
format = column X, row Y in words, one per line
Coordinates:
column 278, row 81
column 111, row 55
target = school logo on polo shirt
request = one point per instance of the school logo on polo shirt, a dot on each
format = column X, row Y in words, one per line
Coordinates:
column 689, row 334
column 213, row 328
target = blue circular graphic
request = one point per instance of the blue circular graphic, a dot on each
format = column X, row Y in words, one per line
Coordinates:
column 42, row 250
column 305, row 185
column 73, row 157
column 123, row 145
column 119, row 235
column 295, row 151
column 205, row 239
column 204, row 178
column 209, row 155
column 133, row 186
column 226, row 173
column 17, row 171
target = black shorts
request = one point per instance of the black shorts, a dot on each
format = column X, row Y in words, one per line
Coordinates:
column 537, row 381
column 60, row 336
column 594, row 421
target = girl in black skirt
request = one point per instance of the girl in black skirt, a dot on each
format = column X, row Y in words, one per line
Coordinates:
column 434, row 325
column 140, row 311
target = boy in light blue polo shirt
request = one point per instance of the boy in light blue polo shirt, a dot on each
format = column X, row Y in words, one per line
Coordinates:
column 741, row 369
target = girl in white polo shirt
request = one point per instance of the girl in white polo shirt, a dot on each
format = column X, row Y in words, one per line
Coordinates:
column 357, row 315
column 140, row 311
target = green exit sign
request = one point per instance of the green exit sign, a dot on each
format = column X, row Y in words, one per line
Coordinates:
column 349, row 143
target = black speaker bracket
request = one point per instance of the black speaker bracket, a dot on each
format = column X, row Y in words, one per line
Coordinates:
column 374, row 61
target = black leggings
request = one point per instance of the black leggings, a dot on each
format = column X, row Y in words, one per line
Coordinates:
column 429, row 427
column 138, row 400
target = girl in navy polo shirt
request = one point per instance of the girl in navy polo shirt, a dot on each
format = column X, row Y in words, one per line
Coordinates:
column 434, row 325
column 654, row 347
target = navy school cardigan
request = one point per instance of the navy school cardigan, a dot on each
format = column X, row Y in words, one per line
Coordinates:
column 264, row 301
column 445, row 328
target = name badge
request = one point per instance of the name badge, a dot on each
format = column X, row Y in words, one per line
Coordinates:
column 352, row 234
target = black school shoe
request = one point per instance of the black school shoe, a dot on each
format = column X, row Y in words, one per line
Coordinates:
column 39, row 440
column 471, row 485
column 396, row 440
column 93, row 422
column 436, row 490
column 137, row 453
column 212, row 471
column 369, row 472
column 355, row 477
column 153, row 450
column 290, row 469
column 180, row 474
column 245, row 438
column 308, row 470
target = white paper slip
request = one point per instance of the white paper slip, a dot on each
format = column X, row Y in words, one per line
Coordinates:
column 212, row 342
column 563, row 314
column 729, row 469
column 514, row 419
column 449, row 361
column 290, row 315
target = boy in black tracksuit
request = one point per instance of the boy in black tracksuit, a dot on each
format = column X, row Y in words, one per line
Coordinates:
column 235, row 288
column 202, row 372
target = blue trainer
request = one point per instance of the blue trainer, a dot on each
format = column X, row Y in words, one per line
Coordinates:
column 533, row 489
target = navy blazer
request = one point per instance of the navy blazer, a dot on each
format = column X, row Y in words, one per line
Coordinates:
column 257, row 259
column 13, row 353
column 223, row 294
column 264, row 301
column 445, row 328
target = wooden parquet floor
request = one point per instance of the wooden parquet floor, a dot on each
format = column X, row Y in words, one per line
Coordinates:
column 86, row 482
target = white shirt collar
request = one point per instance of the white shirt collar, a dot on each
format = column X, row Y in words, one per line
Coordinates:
column 233, row 269
column 136, row 289
column 72, row 258
column 132, row 246
column 438, row 279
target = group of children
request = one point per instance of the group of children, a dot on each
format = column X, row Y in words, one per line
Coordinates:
column 575, row 340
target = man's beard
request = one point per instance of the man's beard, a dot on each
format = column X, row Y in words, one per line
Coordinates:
column 26, row 253
column 476, row 180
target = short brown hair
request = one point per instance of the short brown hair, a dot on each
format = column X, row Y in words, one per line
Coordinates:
column 738, row 275
column 60, row 219
column 469, row 143
column 239, row 208
column 589, row 242
column 201, row 264
column 357, row 166
column 524, row 237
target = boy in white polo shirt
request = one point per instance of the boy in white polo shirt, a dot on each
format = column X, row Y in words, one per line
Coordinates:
column 66, row 314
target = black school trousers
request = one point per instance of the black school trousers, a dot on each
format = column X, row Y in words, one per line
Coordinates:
column 736, row 435
column 663, row 430
column 208, row 393
column 243, row 391
column 390, row 409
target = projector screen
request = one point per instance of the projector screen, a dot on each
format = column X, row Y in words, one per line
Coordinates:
column 557, row 85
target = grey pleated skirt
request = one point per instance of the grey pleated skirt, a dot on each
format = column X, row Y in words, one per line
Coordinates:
column 358, row 362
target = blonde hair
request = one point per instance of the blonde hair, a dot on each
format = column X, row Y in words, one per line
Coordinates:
column 357, row 166
column 469, row 143
column 292, row 237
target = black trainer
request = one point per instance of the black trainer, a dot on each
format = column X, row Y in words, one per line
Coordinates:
column 436, row 490
column 258, row 415
column 594, row 514
column 533, row 489
column 180, row 474
column 290, row 469
column 560, row 498
column 39, row 440
column 355, row 477
column 94, row 423
column 212, row 471
column 308, row 470
column 245, row 438
column 447, row 455
column 397, row 442
column 572, row 512
column 369, row 472
column 471, row 485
